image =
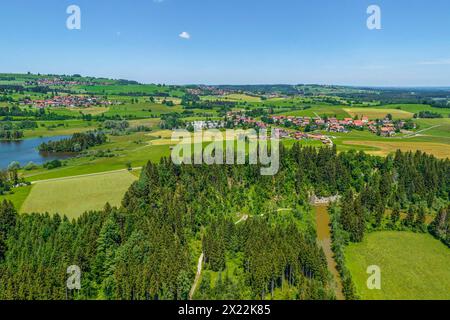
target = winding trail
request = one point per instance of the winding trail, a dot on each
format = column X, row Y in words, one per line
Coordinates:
column 200, row 264
column 197, row 276
column 324, row 239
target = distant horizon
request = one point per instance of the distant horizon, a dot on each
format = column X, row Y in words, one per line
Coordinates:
column 447, row 87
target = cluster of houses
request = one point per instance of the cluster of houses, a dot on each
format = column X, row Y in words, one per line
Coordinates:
column 298, row 135
column 61, row 82
column 203, row 125
column 209, row 90
column 67, row 101
column 385, row 127
column 240, row 119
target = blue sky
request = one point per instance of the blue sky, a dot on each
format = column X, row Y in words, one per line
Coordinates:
column 232, row 41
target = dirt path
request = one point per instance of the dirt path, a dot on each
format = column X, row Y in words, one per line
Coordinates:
column 417, row 133
column 200, row 264
column 324, row 239
column 197, row 276
column 244, row 218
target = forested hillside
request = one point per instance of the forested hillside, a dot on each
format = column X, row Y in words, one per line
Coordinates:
column 143, row 250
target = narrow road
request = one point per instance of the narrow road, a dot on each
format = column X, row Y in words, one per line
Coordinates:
column 324, row 239
column 412, row 135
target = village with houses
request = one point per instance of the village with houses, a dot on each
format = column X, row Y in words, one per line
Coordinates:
column 386, row 127
column 67, row 101
column 48, row 82
column 306, row 128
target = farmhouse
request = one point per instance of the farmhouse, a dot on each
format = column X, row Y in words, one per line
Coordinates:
column 387, row 131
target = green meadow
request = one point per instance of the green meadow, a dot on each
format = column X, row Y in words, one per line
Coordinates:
column 17, row 196
column 416, row 108
column 136, row 149
column 376, row 113
column 413, row 266
column 130, row 89
column 141, row 110
column 75, row 195
column 319, row 110
column 60, row 128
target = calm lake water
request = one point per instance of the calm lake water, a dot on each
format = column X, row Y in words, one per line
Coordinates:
column 25, row 151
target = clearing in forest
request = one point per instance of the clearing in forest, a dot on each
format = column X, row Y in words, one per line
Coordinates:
column 74, row 195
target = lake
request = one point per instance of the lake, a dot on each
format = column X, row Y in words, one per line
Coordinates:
column 24, row 151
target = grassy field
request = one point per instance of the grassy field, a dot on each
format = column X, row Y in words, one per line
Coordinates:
column 18, row 196
column 375, row 113
column 60, row 128
column 73, row 196
column 383, row 148
column 135, row 148
column 131, row 89
column 434, row 127
column 235, row 97
column 319, row 110
column 432, row 137
column 141, row 110
column 416, row 108
column 413, row 266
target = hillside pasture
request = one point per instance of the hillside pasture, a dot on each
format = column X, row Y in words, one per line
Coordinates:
column 60, row 128
column 75, row 195
column 416, row 108
column 17, row 196
column 413, row 266
column 131, row 89
column 375, row 113
column 318, row 110
column 383, row 148
column 234, row 97
column 141, row 110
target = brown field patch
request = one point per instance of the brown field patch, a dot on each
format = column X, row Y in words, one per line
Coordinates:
column 439, row 150
column 374, row 113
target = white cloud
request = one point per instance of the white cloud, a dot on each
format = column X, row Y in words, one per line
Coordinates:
column 184, row 35
column 437, row 62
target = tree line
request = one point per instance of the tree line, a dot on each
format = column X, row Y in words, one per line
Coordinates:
column 77, row 143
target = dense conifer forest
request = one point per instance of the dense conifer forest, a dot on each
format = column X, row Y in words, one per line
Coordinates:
column 144, row 249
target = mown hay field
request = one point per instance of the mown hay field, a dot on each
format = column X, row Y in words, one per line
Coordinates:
column 75, row 195
column 374, row 113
